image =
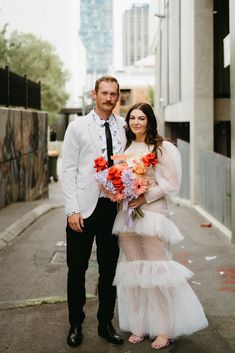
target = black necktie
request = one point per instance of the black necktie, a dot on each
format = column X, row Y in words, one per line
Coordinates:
column 109, row 143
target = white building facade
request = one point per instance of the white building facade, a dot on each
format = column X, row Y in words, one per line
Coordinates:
column 193, row 99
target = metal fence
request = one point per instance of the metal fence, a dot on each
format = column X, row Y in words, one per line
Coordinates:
column 18, row 91
column 214, row 185
column 213, row 189
column 184, row 148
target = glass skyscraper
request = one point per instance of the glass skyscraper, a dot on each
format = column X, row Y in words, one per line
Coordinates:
column 96, row 31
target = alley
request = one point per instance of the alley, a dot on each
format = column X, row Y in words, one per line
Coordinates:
column 33, row 310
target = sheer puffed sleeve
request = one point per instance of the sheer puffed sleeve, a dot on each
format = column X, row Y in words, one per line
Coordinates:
column 167, row 173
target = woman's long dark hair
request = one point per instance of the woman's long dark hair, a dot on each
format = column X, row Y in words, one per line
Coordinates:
column 152, row 137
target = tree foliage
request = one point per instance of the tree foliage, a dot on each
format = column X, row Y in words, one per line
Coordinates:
column 3, row 46
column 25, row 54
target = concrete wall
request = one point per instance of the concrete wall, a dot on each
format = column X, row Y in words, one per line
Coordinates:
column 222, row 109
column 185, row 32
column 23, row 155
column 181, row 110
column 232, row 83
column 174, row 50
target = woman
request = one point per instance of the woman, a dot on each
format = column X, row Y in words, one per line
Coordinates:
column 154, row 297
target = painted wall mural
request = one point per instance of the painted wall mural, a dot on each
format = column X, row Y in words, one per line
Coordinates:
column 23, row 156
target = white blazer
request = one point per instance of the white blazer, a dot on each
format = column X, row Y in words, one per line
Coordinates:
column 81, row 147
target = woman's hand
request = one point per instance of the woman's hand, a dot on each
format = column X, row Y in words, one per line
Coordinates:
column 76, row 222
column 137, row 202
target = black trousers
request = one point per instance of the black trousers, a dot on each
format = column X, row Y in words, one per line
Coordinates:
column 79, row 245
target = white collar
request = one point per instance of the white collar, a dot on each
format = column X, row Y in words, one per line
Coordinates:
column 100, row 121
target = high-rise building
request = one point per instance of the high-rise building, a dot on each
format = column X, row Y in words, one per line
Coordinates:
column 96, row 31
column 135, row 33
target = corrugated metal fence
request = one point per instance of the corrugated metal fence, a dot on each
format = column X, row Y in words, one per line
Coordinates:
column 214, row 182
column 214, row 185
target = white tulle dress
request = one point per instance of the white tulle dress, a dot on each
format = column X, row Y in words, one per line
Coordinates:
column 154, row 297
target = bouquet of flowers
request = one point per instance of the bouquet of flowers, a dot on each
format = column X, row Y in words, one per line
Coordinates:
column 127, row 179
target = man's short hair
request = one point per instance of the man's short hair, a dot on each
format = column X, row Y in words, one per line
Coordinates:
column 106, row 78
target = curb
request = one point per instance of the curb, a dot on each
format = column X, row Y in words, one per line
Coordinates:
column 221, row 227
column 14, row 230
column 37, row 301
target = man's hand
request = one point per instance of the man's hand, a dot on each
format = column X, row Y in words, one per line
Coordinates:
column 76, row 222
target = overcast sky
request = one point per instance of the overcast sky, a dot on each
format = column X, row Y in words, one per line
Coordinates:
column 58, row 20
column 19, row 15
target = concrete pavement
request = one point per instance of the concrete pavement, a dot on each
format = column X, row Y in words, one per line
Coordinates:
column 15, row 218
column 33, row 309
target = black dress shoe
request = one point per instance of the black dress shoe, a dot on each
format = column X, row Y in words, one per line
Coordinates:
column 109, row 333
column 74, row 338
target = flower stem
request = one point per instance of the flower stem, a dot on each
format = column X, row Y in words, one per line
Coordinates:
column 137, row 213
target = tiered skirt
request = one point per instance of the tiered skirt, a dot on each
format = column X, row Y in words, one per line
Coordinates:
column 154, row 297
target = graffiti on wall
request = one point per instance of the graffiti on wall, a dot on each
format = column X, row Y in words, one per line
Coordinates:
column 23, row 156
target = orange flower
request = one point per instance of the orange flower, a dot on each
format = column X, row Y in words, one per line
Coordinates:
column 139, row 168
column 122, row 166
column 119, row 157
column 150, row 159
column 100, row 164
column 140, row 186
column 118, row 196
column 113, row 173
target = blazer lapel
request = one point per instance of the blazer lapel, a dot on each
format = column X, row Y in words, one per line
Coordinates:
column 121, row 124
column 93, row 132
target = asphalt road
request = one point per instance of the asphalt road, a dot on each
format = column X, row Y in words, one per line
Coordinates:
column 33, row 310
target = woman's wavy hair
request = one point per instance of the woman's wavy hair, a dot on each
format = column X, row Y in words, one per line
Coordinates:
column 152, row 137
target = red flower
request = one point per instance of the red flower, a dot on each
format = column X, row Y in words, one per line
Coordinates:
column 113, row 173
column 150, row 159
column 118, row 184
column 100, row 164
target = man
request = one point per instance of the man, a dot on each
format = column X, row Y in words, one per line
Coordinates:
column 90, row 214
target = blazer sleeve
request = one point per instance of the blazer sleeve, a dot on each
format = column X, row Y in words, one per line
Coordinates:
column 167, row 174
column 69, row 169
